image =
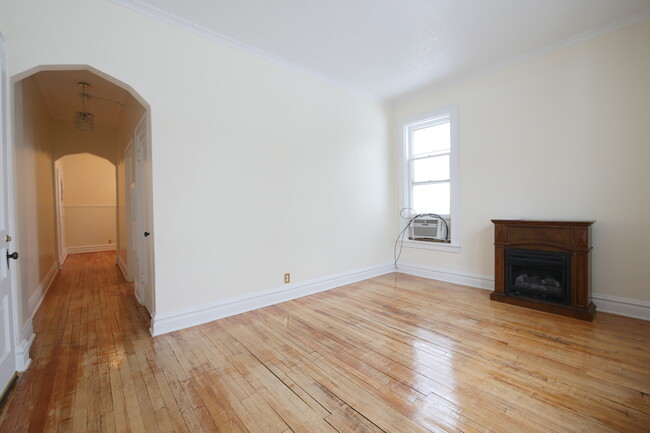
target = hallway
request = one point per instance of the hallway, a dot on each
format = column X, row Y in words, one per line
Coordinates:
column 394, row 353
column 86, row 329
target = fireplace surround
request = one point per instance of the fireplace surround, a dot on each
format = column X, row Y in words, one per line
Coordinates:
column 544, row 265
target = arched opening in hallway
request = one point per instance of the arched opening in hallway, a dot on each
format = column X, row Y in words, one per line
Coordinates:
column 67, row 201
column 85, row 204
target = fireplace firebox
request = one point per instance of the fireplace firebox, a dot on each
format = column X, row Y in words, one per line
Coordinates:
column 544, row 265
column 539, row 275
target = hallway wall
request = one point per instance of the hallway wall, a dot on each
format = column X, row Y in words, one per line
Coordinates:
column 36, row 235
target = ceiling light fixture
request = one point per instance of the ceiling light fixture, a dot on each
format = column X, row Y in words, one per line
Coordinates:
column 84, row 120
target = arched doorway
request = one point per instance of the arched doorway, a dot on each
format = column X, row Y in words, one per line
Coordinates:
column 46, row 103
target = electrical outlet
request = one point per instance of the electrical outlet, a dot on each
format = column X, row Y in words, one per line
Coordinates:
column 287, row 278
column 110, row 241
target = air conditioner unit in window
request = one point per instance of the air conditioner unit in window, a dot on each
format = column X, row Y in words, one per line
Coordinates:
column 427, row 227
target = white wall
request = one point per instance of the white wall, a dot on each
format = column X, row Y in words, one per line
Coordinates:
column 258, row 170
column 89, row 201
column 563, row 135
column 36, row 239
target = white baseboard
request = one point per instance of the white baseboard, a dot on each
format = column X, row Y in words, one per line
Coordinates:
column 605, row 303
column 37, row 298
column 622, row 306
column 27, row 334
column 136, row 292
column 187, row 317
column 192, row 316
column 123, row 266
column 466, row 279
column 22, row 349
column 90, row 248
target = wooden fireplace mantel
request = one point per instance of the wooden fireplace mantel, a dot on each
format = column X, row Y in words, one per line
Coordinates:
column 573, row 237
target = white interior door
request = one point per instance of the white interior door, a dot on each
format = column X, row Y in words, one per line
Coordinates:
column 7, row 346
column 143, row 210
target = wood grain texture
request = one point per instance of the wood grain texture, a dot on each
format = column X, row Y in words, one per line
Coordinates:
column 395, row 353
column 554, row 236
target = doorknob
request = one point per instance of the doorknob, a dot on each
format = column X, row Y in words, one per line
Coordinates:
column 13, row 255
column 146, row 234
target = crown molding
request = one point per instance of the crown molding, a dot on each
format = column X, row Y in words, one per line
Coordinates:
column 590, row 34
column 168, row 18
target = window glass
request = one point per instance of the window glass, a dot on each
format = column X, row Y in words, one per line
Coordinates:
column 431, row 169
column 432, row 198
column 432, row 139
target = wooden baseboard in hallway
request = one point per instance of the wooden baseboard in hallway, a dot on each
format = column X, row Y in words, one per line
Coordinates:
column 395, row 354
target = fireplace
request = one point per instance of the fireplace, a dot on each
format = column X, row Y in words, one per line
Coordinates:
column 544, row 265
column 539, row 275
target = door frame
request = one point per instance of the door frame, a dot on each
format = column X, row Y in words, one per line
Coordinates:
column 143, row 209
column 59, row 213
column 21, row 338
column 26, row 331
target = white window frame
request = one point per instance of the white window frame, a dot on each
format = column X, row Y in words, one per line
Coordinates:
column 406, row 126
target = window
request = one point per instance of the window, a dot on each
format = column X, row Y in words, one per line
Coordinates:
column 430, row 169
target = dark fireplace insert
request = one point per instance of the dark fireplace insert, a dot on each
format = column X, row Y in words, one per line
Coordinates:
column 539, row 275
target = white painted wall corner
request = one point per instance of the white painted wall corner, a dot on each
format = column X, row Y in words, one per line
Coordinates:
column 185, row 318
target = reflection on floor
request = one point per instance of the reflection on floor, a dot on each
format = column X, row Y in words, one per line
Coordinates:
column 394, row 354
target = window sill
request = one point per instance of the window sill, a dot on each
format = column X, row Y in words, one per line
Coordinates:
column 449, row 248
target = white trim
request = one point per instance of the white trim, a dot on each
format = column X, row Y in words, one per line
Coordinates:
column 123, row 266
column 168, row 18
column 7, row 148
column 437, row 246
column 197, row 315
column 397, row 99
column 590, row 34
column 27, row 334
column 605, row 303
column 622, row 306
column 37, row 298
column 22, row 349
column 464, row 278
column 88, row 205
column 90, row 248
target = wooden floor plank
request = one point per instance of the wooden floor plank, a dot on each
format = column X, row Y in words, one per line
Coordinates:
column 392, row 354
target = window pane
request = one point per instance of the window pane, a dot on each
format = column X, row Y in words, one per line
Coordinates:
column 433, row 198
column 432, row 139
column 435, row 168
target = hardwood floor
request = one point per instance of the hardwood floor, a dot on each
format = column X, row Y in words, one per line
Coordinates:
column 395, row 354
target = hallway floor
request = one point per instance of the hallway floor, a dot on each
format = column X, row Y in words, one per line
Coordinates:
column 394, row 353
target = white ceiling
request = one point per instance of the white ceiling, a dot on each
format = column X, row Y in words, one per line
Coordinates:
column 391, row 48
column 61, row 93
